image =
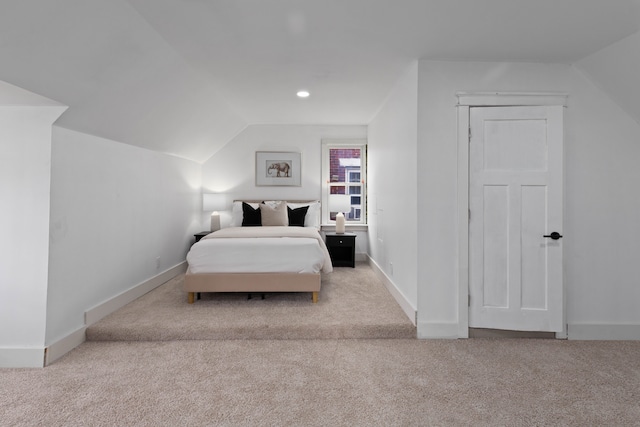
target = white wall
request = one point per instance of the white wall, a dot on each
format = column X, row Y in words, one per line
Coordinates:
column 392, row 187
column 602, row 235
column 115, row 209
column 25, row 161
column 232, row 169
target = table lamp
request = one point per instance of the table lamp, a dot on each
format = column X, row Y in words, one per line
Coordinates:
column 339, row 203
column 213, row 203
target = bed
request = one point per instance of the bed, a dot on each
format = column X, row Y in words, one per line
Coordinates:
column 263, row 251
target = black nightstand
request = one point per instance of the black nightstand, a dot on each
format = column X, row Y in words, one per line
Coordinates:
column 342, row 248
column 200, row 235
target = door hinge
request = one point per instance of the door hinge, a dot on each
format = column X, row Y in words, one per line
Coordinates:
column 469, row 301
column 469, row 133
column 469, row 214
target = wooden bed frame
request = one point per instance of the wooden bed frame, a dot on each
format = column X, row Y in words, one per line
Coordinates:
column 252, row 282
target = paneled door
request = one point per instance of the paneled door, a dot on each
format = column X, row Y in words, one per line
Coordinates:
column 515, row 218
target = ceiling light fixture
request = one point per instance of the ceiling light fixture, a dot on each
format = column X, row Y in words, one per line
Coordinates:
column 303, row 94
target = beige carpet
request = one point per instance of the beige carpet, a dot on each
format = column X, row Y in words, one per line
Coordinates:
column 167, row 366
column 476, row 382
column 353, row 304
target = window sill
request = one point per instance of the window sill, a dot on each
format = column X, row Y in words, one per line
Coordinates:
column 348, row 227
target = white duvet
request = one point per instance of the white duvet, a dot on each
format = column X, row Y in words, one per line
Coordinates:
column 260, row 250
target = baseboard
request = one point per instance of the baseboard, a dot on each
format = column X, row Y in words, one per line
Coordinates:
column 435, row 330
column 40, row 357
column 22, row 357
column 405, row 305
column 63, row 346
column 603, row 332
column 362, row 256
column 98, row 312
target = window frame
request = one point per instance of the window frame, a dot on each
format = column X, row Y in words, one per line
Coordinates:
column 327, row 145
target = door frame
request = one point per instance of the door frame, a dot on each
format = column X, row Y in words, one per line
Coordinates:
column 466, row 100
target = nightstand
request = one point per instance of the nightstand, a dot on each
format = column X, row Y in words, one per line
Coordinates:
column 342, row 248
column 200, row 235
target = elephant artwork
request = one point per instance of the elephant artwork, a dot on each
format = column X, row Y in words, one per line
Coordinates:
column 280, row 168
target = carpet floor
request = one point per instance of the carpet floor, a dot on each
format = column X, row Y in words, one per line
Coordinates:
column 404, row 382
column 353, row 304
column 147, row 365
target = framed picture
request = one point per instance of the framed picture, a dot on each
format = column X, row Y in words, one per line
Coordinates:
column 278, row 168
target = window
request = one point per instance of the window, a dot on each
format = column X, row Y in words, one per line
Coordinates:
column 344, row 172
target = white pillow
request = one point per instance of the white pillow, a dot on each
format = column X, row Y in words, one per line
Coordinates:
column 312, row 218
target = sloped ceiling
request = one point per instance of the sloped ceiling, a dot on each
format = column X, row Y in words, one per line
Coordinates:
column 118, row 76
column 185, row 76
column 616, row 70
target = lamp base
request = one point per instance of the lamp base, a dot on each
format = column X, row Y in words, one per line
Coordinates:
column 215, row 221
column 340, row 228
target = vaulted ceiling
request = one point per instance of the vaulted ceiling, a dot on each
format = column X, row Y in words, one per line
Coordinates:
column 185, row 76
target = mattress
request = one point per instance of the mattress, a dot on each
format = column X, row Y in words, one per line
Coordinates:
column 260, row 250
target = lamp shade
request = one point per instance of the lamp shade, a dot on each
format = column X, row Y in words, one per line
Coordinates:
column 339, row 203
column 214, row 202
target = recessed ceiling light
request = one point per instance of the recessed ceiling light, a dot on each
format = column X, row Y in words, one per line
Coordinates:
column 303, row 94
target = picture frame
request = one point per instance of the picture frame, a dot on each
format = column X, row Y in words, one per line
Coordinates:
column 278, row 168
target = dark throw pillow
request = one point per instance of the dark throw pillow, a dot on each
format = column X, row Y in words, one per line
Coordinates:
column 296, row 216
column 250, row 217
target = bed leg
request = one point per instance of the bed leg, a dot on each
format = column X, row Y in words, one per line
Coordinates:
column 314, row 297
column 192, row 297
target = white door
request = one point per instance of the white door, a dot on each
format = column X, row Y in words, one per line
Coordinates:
column 515, row 200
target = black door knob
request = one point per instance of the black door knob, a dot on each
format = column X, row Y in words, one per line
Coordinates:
column 555, row 235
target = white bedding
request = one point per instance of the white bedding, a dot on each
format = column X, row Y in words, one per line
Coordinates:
column 260, row 250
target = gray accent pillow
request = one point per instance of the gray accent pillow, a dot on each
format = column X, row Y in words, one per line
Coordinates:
column 276, row 215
